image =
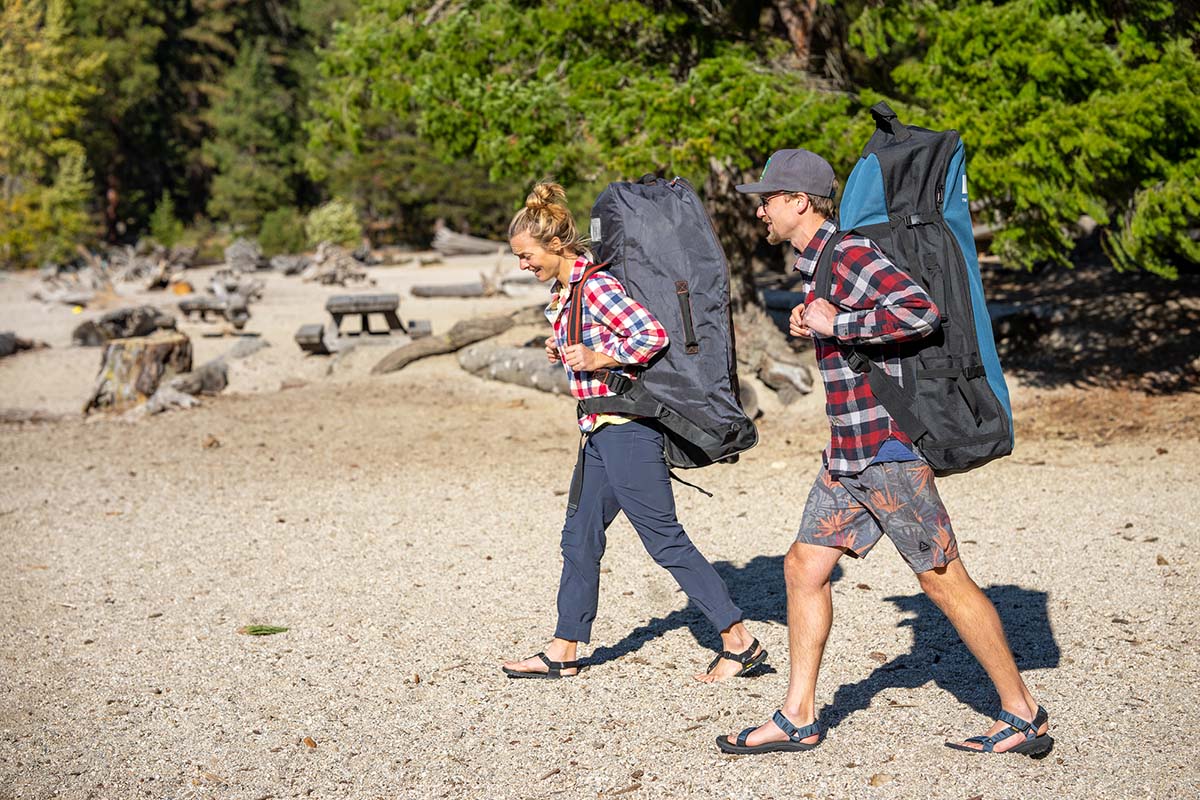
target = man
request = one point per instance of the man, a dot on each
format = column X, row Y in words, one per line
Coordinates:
column 873, row 482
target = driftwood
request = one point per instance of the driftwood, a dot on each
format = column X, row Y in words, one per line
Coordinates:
column 473, row 289
column 524, row 366
column 132, row 369
column 11, row 343
column 462, row 334
column 449, row 243
column 332, row 264
column 121, row 324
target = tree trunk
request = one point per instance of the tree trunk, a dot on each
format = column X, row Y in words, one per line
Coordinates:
column 462, row 334
column 132, row 369
column 797, row 17
column 524, row 366
column 740, row 233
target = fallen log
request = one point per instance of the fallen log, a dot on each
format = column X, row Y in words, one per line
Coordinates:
column 449, row 243
column 121, row 324
column 11, row 343
column 132, row 369
column 462, row 334
column 524, row 366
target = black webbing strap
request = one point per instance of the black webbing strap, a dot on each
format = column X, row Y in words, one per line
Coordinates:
column 576, row 491
column 691, row 343
column 675, row 477
column 887, row 391
column 887, row 121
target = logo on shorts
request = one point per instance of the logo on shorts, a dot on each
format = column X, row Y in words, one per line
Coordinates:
column 923, row 547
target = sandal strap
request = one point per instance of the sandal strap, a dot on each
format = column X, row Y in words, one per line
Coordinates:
column 556, row 667
column 741, row 737
column 794, row 733
column 986, row 743
column 1013, row 721
column 743, row 658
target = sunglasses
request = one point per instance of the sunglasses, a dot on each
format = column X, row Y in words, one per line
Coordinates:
column 768, row 198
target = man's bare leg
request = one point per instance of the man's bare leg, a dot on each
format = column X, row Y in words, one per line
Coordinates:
column 806, row 569
column 978, row 625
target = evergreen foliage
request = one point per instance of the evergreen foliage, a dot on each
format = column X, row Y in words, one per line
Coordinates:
column 282, row 232
column 252, row 149
column 416, row 111
column 336, row 222
column 44, row 182
column 165, row 227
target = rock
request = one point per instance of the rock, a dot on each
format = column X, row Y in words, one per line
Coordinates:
column 290, row 265
column 208, row 379
column 246, row 346
column 122, row 324
column 244, row 255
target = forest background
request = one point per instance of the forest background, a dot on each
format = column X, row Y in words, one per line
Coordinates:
column 199, row 120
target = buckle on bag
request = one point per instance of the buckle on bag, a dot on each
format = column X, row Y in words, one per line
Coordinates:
column 858, row 362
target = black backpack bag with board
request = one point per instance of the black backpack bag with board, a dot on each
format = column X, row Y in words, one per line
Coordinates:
column 908, row 194
column 655, row 237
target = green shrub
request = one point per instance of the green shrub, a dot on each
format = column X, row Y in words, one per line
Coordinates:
column 282, row 231
column 165, row 228
column 336, row 222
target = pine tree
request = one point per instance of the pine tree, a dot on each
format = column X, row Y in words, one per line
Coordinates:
column 252, row 151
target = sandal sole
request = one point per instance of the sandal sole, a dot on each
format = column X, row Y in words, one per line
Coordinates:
column 512, row 673
column 1034, row 747
column 768, row 747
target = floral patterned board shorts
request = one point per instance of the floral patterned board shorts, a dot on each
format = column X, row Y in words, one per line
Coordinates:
column 897, row 498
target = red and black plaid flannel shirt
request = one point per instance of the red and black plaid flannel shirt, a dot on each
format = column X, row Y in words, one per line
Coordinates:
column 613, row 324
column 878, row 304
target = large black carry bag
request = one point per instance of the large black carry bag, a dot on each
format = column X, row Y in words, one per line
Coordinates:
column 655, row 237
column 908, row 194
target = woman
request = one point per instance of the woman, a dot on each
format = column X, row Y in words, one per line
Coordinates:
column 621, row 466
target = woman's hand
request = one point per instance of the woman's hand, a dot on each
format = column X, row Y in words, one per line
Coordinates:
column 551, row 349
column 581, row 358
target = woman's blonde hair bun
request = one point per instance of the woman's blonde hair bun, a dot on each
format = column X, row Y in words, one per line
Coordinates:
column 546, row 217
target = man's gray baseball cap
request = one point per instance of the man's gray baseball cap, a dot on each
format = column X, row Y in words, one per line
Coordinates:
column 793, row 171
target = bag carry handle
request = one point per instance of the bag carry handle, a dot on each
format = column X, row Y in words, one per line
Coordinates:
column 887, row 121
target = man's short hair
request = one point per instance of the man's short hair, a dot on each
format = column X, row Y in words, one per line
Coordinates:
column 825, row 206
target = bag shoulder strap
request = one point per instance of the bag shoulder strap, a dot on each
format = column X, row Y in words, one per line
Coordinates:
column 575, row 321
column 823, row 274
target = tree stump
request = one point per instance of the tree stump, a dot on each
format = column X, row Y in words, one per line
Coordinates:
column 132, row 369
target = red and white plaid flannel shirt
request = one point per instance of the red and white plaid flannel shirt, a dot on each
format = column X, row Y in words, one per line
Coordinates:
column 878, row 304
column 613, row 324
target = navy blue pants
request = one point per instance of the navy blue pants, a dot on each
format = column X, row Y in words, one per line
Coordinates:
column 624, row 470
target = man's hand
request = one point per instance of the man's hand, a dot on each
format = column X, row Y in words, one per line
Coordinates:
column 796, row 325
column 817, row 317
column 583, row 359
column 551, row 349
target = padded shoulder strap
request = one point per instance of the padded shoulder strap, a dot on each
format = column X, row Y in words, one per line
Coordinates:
column 823, row 275
column 575, row 321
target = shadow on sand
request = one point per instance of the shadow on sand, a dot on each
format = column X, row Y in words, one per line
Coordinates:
column 937, row 653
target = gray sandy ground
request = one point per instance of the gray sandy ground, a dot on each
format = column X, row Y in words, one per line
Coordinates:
column 405, row 530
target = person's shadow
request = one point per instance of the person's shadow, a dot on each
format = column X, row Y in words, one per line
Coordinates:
column 937, row 653
column 756, row 588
